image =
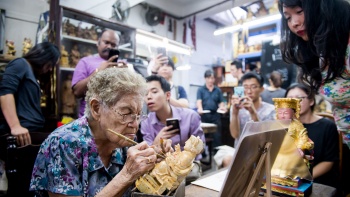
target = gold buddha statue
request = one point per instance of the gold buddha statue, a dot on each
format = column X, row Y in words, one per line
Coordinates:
column 169, row 173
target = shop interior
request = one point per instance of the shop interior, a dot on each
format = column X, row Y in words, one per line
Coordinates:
column 197, row 35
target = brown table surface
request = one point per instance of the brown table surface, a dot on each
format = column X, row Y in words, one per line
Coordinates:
column 208, row 127
column 318, row 190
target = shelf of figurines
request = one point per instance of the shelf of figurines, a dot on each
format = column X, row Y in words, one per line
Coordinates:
column 123, row 47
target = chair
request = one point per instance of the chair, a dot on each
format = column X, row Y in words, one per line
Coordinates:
column 20, row 162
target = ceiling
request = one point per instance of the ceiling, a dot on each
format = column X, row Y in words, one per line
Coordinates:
column 216, row 11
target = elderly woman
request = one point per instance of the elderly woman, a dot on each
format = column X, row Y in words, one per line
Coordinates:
column 83, row 158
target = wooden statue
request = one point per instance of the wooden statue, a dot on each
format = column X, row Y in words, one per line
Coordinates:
column 74, row 56
column 10, row 48
column 64, row 62
column 169, row 173
column 27, row 45
column 68, row 99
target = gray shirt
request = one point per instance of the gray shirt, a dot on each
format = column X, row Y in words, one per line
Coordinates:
column 267, row 95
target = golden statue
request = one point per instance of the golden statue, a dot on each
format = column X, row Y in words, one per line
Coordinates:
column 64, row 62
column 27, row 45
column 10, row 48
column 169, row 173
column 291, row 164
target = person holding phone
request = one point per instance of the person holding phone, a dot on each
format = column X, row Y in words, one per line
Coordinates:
column 164, row 66
column 87, row 66
column 156, row 126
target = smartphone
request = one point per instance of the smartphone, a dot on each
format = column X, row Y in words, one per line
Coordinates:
column 174, row 122
column 113, row 52
column 161, row 50
column 239, row 91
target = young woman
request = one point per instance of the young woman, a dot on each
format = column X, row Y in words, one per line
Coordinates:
column 20, row 91
column 322, row 132
column 315, row 36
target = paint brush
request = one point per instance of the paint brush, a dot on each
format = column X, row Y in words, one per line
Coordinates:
column 129, row 140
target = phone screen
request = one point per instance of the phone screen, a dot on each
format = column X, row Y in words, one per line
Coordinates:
column 174, row 122
column 161, row 50
column 239, row 91
column 113, row 52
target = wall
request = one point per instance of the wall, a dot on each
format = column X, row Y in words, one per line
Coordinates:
column 22, row 18
column 209, row 48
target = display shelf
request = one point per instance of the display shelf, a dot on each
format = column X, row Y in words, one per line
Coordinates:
column 249, row 55
column 122, row 47
column 67, row 69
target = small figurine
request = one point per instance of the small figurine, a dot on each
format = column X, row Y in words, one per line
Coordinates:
column 74, row 56
column 27, row 45
column 64, row 62
column 88, row 52
column 169, row 173
column 68, row 99
column 93, row 33
column 10, row 48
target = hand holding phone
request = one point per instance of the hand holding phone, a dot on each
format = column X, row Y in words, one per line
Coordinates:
column 239, row 91
column 113, row 52
column 174, row 122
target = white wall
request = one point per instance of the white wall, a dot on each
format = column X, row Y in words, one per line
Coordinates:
column 22, row 18
column 209, row 48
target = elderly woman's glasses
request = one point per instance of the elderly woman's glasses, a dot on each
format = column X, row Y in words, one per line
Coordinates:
column 128, row 118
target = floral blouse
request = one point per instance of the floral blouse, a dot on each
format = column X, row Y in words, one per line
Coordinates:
column 337, row 92
column 68, row 162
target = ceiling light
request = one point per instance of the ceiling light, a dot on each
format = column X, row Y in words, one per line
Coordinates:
column 253, row 23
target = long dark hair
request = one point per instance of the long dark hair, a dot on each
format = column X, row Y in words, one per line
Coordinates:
column 327, row 25
column 42, row 54
column 308, row 91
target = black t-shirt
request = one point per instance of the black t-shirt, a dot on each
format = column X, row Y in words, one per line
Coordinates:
column 324, row 134
column 20, row 81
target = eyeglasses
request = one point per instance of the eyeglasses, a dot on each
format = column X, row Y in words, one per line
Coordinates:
column 253, row 87
column 129, row 118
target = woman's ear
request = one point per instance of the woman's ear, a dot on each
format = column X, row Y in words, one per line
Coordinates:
column 95, row 109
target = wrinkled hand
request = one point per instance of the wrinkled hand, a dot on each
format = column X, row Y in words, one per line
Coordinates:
column 159, row 61
column 163, row 148
column 22, row 135
column 165, row 133
column 141, row 159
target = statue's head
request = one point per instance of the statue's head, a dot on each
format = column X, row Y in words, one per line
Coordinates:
column 287, row 108
column 194, row 145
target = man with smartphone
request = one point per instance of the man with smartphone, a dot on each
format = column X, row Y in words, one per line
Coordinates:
column 166, row 121
column 106, row 45
column 248, row 107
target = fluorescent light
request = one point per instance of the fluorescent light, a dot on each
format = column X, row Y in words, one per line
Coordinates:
column 253, row 23
column 184, row 67
column 154, row 40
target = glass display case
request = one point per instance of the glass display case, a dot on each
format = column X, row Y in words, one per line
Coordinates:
column 77, row 37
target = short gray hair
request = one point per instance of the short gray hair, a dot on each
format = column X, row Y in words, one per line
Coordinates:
column 111, row 84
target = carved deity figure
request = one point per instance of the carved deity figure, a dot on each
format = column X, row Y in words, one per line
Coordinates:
column 27, row 45
column 10, row 48
column 74, row 56
column 291, row 161
column 169, row 173
column 64, row 62
column 68, row 99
